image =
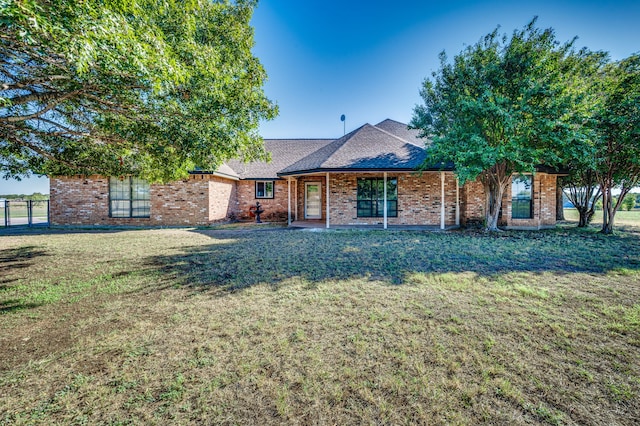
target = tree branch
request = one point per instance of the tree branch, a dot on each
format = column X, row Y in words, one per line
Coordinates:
column 33, row 82
column 40, row 151
column 49, row 107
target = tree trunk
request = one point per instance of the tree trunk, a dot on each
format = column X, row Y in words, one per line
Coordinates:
column 584, row 192
column 494, row 200
column 495, row 182
column 559, row 201
column 586, row 215
column 609, row 209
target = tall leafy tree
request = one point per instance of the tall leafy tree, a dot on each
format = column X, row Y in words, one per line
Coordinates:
column 583, row 191
column 145, row 87
column 502, row 106
column 618, row 123
column 581, row 184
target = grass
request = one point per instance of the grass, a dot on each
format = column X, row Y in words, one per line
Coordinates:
column 18, row 211
column 254, row 325
column 623, row 217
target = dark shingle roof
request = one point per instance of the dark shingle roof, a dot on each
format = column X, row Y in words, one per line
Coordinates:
column 223, row 171
column 389, row 145
column 284, row 152
column 366, row 148
column 402, row 131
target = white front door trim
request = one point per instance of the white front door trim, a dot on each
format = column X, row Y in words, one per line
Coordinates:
column 313, row 211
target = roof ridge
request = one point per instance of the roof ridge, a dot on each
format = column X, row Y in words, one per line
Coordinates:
column 299, row 139
column 343, row 140
column 391, row 119
column 398, row 137
column 329, row 148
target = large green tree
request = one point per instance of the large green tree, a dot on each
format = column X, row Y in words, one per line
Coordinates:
column 504, row 105
column 583, row 190
column 581, row 183
column 618, row 123
column 146, row 87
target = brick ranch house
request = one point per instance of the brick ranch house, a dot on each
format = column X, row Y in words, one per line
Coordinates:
column 317, row 182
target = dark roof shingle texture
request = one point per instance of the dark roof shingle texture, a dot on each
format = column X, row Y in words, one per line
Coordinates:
column 284, row 152
column 389, row 145
column 402, row 131
column 366, row 148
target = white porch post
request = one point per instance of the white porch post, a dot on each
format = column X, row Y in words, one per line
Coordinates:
column 384, row 209
column 327, row 186
column 289, row 201
column 441, row 200
column 457, row 203
column 295, row 199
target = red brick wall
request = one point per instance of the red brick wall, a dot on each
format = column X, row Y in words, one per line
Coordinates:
column 544, row 204
column 548, row 188
column 79, row 200
column 300, row 196
column 472, row 201
column 275, row 209
column 223, row 197
column 419, row 198
column 203, row 199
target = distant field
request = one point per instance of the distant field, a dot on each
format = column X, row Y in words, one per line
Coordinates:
column 18, row 213
column 276, row 326
column 631, row 218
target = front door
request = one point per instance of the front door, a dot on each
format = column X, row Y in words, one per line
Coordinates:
column 312, row 201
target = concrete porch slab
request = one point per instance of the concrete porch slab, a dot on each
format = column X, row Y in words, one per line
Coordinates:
column 321, row 224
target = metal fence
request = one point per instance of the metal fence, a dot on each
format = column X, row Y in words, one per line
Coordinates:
column 29, row 213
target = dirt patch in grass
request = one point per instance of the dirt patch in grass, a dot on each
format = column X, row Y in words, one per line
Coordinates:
column 348, row 327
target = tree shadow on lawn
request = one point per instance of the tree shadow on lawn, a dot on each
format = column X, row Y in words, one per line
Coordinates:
column 17, row 258
column 238, row 260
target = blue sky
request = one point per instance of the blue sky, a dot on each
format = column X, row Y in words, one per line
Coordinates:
column 367, row 59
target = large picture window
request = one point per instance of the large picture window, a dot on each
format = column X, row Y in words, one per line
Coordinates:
column 264, row 189
column 371, row 197
column 129, row 197
column 521, row 190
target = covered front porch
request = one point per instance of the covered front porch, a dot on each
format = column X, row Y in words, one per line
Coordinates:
column 394, row 200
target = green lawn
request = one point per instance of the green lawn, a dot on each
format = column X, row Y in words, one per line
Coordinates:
column 622, row 217
column 272, row 326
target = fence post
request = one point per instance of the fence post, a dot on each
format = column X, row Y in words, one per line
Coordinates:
column 29, row 212
column 6, row 213
column 48, row 214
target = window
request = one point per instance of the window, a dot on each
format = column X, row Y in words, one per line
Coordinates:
column 521, row 205
column 264, row 189
column 129, row 197
column 371, row 197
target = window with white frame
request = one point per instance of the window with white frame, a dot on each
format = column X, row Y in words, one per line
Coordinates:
column 264, row 189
